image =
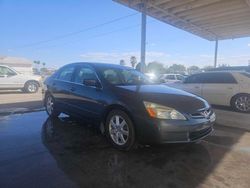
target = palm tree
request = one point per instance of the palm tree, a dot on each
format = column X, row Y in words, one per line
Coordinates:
column 133, row 61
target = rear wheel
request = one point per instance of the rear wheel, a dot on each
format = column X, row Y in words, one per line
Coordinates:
column 50, row 106
column 31, row 87
column 241, row 103
column 120, row 130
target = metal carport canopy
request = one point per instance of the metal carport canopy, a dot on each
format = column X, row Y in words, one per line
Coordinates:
column 209, row 19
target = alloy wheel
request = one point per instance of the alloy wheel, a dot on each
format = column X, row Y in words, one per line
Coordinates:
column 118, row 130
column 49, row 105
column 32, row 87
column 242, row 103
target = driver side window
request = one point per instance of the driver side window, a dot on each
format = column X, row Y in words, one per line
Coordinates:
column 85, row 73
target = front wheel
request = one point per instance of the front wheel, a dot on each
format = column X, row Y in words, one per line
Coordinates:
column 50, row 106
column 241, row 103
column 120, row 130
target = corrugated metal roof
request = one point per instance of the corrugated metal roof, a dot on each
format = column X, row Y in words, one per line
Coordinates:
column 209, row 19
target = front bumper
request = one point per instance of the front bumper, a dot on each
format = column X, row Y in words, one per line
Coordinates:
column 150, row 130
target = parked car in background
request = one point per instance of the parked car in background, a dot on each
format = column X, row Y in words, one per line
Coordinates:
column 220, row 88
column 126, row 105
column 11, row 79
column 165, row 78
column 231, row 68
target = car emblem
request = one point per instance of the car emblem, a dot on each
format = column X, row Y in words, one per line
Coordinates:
column 205, row 113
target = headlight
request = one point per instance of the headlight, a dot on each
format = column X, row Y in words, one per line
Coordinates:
column 163, row 112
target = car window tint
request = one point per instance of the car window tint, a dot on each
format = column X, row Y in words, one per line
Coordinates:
column 6, row 71
column 170, row 77
column 66, row 74
column 196, row 78
column 118, row 76
column 218, row 78
column 85, row 73
column 112, row 76
column 180, row 77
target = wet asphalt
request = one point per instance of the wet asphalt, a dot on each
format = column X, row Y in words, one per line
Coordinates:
column 39, row 152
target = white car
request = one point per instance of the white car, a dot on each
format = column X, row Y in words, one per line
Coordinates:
column 11, row 79
column 166, row 78
column 220, row 88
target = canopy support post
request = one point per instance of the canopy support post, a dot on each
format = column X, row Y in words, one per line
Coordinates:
column 143, row 36
column 215, row 53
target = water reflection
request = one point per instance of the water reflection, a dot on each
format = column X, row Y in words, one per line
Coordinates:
column 88, row 160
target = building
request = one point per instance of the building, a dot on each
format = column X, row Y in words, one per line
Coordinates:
column 20, row 64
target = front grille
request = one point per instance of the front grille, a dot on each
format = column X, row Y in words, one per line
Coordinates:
column 204, row 113
column 199, row 134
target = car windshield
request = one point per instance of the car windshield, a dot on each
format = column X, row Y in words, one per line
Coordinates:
column 119, row 76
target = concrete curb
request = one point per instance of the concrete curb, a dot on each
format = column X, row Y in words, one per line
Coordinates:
column 11, row 111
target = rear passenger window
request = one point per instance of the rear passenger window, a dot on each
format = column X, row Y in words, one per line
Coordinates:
column 194, row 79
column 66, row 74
column 218, row 78
column 170, row 77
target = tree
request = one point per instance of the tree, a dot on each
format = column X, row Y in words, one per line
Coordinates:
column 208, row 68
column 122, row 62
column 156, row 67
column 133, row 61
column 177, row 68
column 193, row 69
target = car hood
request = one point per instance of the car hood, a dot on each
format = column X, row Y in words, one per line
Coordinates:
column 167, row 96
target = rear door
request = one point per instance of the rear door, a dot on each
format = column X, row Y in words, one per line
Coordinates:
column 61, row 87
column 219, row 87
column 193, row 84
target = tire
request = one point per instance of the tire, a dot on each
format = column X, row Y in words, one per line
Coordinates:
column 119, row 130
column 51, row 107
column 241, row 103
column 31, row 87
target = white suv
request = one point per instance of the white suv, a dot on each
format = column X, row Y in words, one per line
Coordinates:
column 165, row 78
column 220, row 88
column 11, row 79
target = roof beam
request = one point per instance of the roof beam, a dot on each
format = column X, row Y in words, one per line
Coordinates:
column 192, row 5
column 248, row 2
column 221, row 6
column 215, row 14
column 182, row 20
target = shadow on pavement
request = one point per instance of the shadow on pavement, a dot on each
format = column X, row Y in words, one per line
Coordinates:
column 89, row 161
column 28, row 105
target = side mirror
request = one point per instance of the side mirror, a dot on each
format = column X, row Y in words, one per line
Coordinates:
column 91, row 83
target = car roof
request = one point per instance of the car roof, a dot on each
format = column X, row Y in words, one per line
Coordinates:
column 100, row 65
column 226, row 71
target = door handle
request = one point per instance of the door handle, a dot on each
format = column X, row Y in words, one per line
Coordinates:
column 197, row 87
column 72, row 89
column 53, row 84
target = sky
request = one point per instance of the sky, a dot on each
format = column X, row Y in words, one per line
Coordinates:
column 60, row 32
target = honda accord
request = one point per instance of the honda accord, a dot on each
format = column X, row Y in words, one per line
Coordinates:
column 126, row 105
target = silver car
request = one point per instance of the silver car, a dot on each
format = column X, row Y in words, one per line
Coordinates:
column 11, row 79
